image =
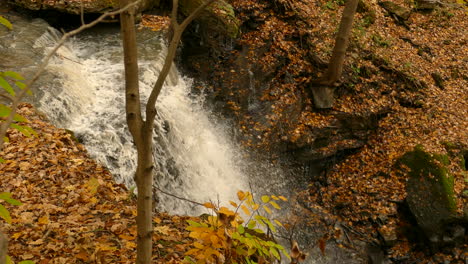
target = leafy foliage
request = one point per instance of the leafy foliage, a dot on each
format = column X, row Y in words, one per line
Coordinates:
column 5, row 214
column 6, row 78
column 6, row 23
column 227, row 237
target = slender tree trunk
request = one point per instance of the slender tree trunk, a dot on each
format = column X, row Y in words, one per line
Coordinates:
column 142, row 130
column 141, row 138
column 323, row 90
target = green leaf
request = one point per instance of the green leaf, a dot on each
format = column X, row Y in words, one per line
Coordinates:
column 5, row 214
column 275, row 253
column 265, row 198
column 240, row 229
column 4, row 110
column 8, row 260
column 5, row 195
column 2, row 160
column 26, row 262
column 6, row 23
column 7, row 198
column 6, row 139
column 23, row 129
column 6, row 86
column 19, row 118
column 193, row 223
column 270, row 225
column 252, row 224
column 22, row 86
column 13, row 75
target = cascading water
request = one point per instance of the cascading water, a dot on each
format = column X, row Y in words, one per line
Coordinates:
column 195, row 158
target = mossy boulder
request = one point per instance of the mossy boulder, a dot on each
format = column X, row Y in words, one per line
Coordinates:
column 430, row 193
column 218, row 16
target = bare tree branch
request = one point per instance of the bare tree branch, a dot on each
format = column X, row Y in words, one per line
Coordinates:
column 178, row 30
column 14, row 105
column 178, row 197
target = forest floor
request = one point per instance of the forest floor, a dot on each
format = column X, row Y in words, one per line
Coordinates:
column 72, row 210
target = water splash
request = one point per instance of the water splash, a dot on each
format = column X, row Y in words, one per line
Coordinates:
column 195, row 156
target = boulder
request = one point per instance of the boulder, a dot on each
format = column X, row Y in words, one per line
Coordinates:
column 219, row 16
column 430, row 193
column 394, row 9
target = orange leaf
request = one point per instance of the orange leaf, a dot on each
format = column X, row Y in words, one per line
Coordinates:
column 209, row 205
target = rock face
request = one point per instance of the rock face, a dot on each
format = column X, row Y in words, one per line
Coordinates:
column 219, row 16
column 431, row 197
column 74, row 6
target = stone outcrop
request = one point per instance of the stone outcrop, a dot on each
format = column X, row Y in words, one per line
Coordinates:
column 74, row 6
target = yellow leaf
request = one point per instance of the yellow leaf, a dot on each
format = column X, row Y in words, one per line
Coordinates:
column 214, row 239
column 241, row 195
column 226, row 211
column 265, row 198
column 126, row 237
column 130, row 244
column 192, row 251
column 92, row 185
column 93, row 200
column 255, row 206
column 283, row 198
column 157, row 220
column 267, row 209
column 198, row 245
column 274, row 197
column 245, row 210
column 104, row 247
column 233, row 203
column 165, row 230
column 278, row 222
column 209, row 205
column 275, row 205
column 43, row 220
column 16, row 235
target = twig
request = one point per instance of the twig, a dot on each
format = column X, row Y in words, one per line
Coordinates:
column 82, row 12
column 178, row 197
column 14, row 105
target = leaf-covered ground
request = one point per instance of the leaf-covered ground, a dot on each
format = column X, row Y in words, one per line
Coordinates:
column 413, row 70
column 72, row 210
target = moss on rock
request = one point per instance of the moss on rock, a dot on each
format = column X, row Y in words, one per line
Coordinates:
column 430, row 193
column 219, row 16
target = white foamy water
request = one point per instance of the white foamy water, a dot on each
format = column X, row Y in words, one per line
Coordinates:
column 195, row 157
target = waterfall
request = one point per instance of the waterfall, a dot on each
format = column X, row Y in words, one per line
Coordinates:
column 194, row 155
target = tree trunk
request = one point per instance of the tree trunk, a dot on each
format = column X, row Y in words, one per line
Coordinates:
column 323, row 90
column 3, row 248
column 143, row 141
column 142, row 130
